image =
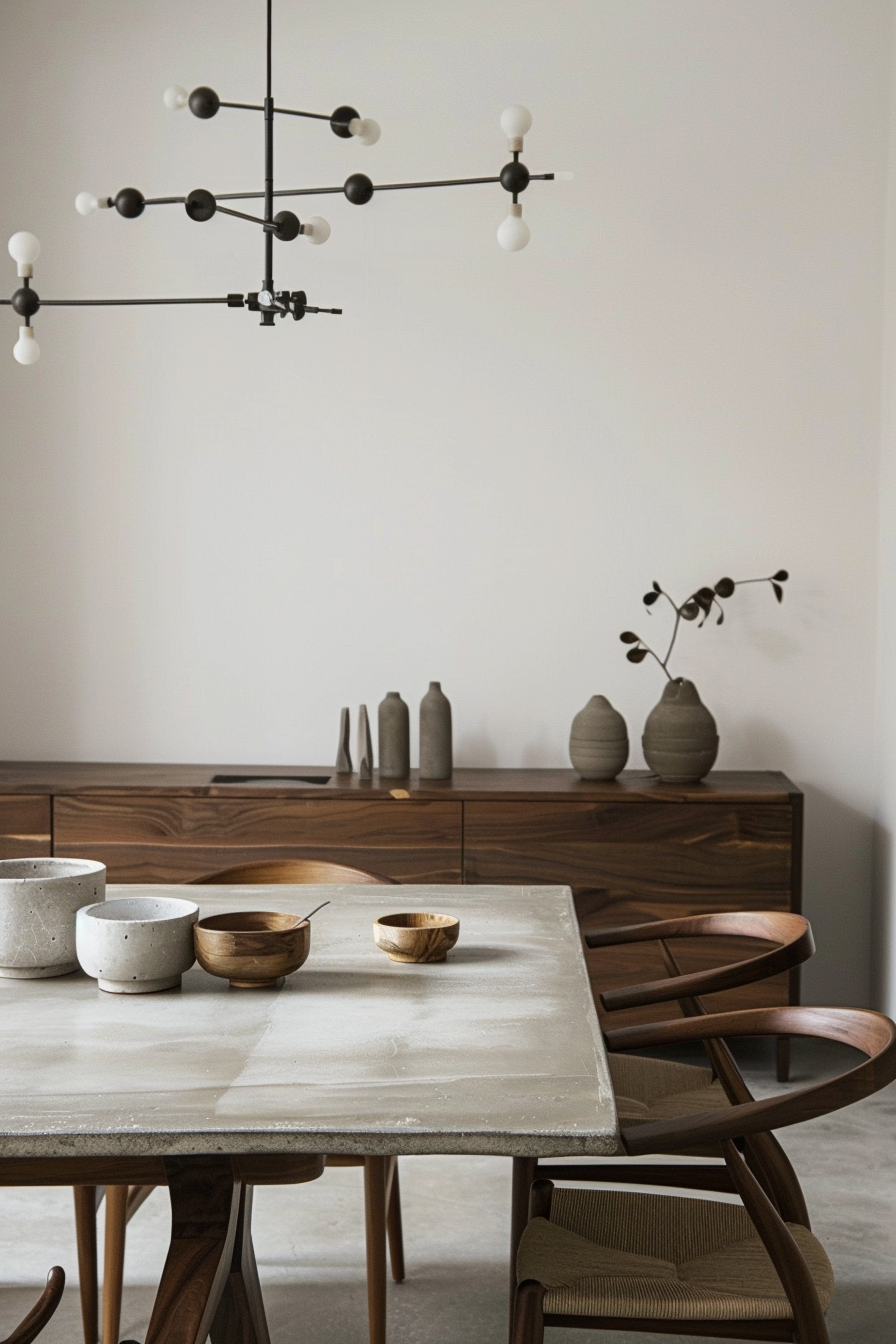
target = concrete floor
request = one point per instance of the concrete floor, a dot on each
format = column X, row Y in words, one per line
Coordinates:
column 310, row 1241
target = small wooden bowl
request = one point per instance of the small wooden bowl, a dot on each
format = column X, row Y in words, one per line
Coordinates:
column 252, row 949
column 416, row 937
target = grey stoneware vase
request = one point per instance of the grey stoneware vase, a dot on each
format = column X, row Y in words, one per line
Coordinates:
column 394, row 723
column 680, row 740
column 436, row 758
column 598, row 740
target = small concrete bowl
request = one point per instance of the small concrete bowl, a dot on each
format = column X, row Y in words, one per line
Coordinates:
column 39, row 899
column 416, row 937
column 253, row 948
column 137, row 945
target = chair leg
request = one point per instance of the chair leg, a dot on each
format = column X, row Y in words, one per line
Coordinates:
column 528, row 1316
column 393, row 1223
column 85, row 1229
column 113, row 1260
column 524, row 1173
column 375, row 1220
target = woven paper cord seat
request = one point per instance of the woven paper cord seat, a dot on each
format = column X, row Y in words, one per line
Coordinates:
column 661, row 1257
column 659, row 1089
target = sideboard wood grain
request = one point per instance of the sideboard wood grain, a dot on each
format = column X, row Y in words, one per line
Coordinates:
column 25, row 826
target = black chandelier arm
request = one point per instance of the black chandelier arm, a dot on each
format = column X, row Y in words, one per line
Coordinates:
column 339, row 191
column 115, row 303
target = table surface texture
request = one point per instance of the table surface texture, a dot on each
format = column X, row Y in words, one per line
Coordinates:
column 497, row 1050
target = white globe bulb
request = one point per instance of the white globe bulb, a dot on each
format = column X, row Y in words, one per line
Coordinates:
column 86, row 203
column 316, row 229
column 516, row 122
column 513, row 233
column 175, row 98
column 24, row 248
column 26, row 348
column 365, row 129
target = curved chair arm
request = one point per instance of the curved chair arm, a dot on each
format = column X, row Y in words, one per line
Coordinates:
column 872, row 1033
column 791, row 932
column 42, row 1310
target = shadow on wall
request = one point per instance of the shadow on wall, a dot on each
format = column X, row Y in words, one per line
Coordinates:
column 882, row 978
column 837, row 869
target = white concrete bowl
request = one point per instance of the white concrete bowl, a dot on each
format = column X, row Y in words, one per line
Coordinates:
column 39, row 899
column 138, row 944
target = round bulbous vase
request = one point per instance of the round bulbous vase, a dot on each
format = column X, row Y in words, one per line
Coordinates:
column 598, row 740
column 680, row 740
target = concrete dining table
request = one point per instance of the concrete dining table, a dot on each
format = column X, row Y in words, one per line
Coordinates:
column 497, row 1050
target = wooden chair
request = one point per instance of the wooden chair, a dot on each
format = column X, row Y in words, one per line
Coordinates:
column 621, row 1260
column 648, row 1089
column 382, row 1199
column 40, row 1313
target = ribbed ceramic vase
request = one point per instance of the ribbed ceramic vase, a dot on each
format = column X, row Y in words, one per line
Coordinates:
column 436, row 757
column 680, row 740
column 394, row 723
column 598, row 741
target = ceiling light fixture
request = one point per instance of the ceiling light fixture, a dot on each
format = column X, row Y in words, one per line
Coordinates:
column 201, row 206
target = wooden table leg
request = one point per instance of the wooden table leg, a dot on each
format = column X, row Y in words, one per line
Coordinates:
column 113, row 1260
column 240, row 1317
column 205, row 1209
column 85, row 1227
column 393, row 1222
column 523, row 1175
column 375, row 1175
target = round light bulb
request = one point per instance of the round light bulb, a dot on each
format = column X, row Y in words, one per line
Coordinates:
column 175, row 98
column 26, row 348
column 516, row 122
column 513, row 232
column 86, row 203
column 266, row 298
column 316, row 229
column 24, row 248
column 365, row 129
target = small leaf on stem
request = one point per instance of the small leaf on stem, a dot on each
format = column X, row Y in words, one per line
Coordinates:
column 629, row 637
column 656, row 588
column 690, row 611
column 779, row 591
column 650, row 598
column 636, row 655
column 782, row 576
column 724, row 587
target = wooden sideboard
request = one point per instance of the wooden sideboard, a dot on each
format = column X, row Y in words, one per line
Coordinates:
column 633, row 849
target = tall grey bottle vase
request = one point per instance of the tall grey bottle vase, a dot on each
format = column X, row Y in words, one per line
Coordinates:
column 394, row 737
column 436, row 759
column 343, row 753
column 365, row 746
column 680, row 740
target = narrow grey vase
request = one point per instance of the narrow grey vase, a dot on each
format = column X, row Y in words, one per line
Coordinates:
column 394, row 744
column 598, row 740
column 343, row 754
column 365, row 745
column 680, row 740
column 436, row 758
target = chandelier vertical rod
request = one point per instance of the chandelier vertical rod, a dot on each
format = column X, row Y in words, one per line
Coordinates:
column 268, row 318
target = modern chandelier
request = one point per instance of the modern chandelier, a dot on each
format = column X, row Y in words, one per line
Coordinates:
column 284, row 226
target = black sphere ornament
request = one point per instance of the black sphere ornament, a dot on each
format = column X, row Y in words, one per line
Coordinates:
column 204, row 102
column 515, row 177
column 25, row 302
column 200, row 205
column 358, row 188
column 130, row 202
column 288, row 226
column 340, row 120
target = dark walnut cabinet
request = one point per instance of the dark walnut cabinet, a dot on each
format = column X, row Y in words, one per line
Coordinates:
column 631, row 850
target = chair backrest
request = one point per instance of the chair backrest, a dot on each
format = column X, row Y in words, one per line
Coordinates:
column 872, row 1033
column 790, row 932
column 40, row 1313
column 295, row 871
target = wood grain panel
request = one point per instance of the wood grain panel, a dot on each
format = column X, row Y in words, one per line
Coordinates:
column 174, row 839
column 25, row 826
column 653, row 848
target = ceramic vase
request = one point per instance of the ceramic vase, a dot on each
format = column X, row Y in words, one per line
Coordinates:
column 680, row 739
column 436, row 761
column 39, row 899
column 394, row 744
column 598, row 740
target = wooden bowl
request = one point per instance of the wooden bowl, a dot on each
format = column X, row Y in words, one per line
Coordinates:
column 252, row 949
column 416, row 937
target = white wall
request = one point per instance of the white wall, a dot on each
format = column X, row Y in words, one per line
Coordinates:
column 214, row 536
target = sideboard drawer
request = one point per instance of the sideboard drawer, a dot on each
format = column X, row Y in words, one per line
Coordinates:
column 25, row 831
column 650, row 849
column 163, row 838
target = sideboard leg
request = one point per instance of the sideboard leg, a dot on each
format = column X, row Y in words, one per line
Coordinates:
column 783, row 1059
column 205, row 1209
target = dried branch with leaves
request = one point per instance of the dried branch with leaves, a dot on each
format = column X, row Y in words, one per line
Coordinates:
column 699, row 604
